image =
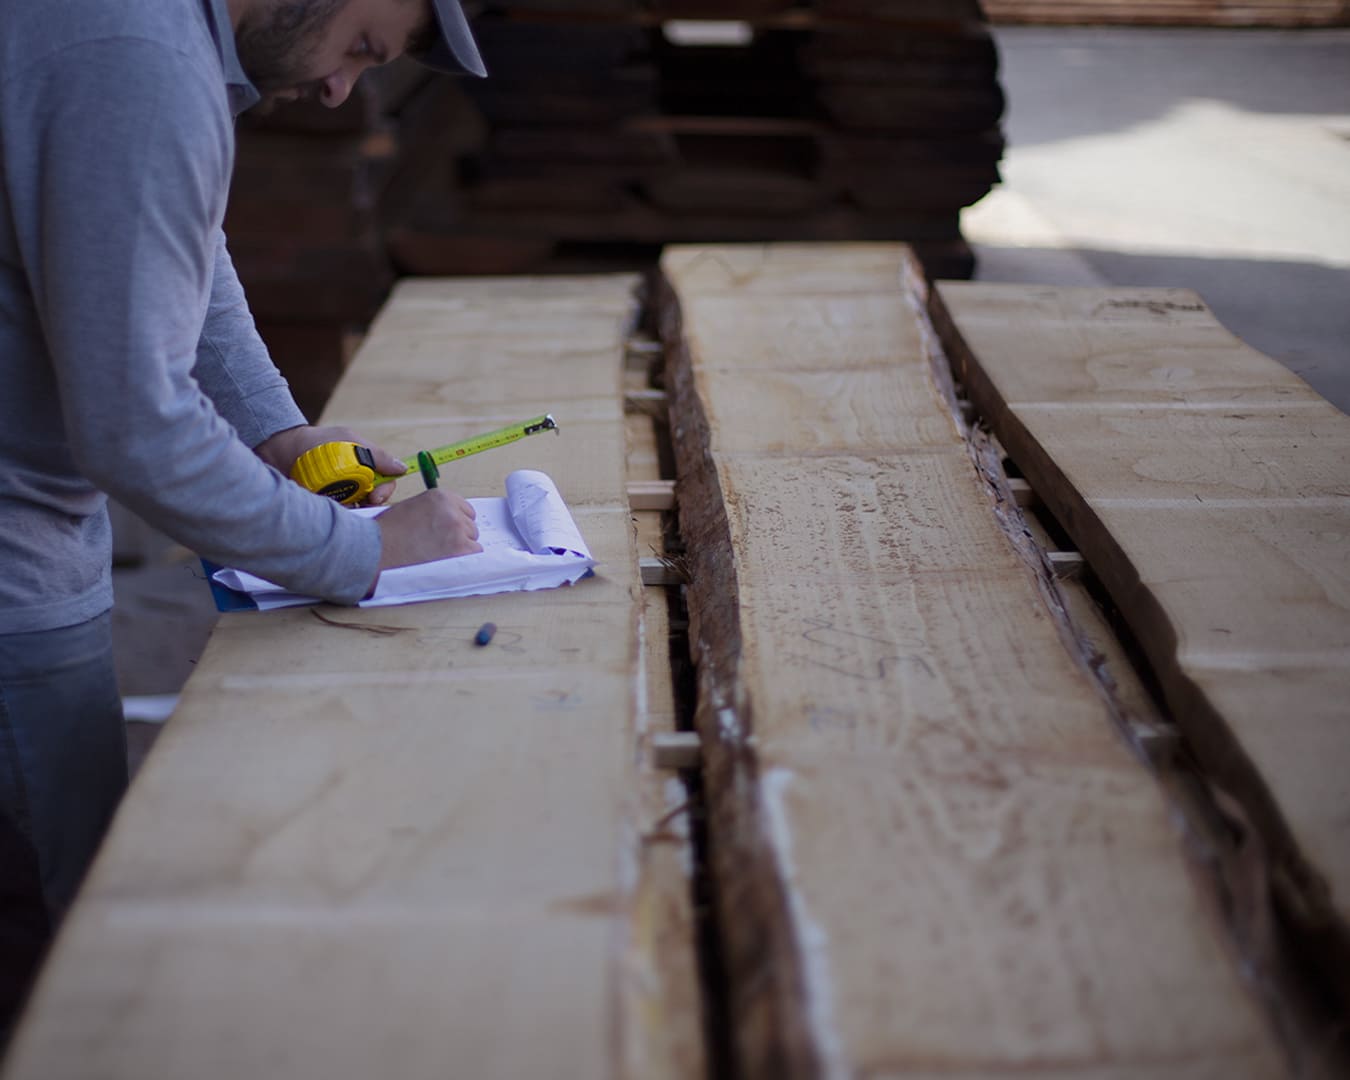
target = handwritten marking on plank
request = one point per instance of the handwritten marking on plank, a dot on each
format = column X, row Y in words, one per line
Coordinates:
column 855, row 655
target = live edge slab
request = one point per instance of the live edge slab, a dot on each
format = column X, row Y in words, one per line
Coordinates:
column 934, row 853
column 1209, row 488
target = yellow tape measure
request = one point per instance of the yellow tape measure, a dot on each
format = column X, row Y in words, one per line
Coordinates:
column 345, row 471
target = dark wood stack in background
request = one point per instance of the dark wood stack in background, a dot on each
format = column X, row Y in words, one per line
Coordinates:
column 304, row 228
column 606, row 129
column 841, row 120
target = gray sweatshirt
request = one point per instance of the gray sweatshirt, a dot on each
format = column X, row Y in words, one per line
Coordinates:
column 129, row 363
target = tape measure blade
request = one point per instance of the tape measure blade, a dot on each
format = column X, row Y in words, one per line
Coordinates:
column 476, row 445
column 489, row 441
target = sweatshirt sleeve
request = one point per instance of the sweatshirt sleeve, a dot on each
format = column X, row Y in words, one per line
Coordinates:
column 234, row 368
column 124, row 274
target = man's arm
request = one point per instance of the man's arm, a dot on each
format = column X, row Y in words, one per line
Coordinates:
column 121, row 257
column 233, row 366
column 236, row 372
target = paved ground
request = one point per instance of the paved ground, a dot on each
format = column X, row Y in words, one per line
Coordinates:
column 1213, row 160
column 1217, row 160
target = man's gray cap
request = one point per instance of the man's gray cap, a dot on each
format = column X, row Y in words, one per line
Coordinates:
column 455, row 51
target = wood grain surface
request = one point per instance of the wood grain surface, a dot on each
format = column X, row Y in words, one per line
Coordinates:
column 933, row 853
column 1209, row 488
column 365, row 846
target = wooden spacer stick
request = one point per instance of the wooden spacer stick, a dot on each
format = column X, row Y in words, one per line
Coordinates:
column 643, row 401
column 676, row 749
column 659, row 572
column 1022, row 492
column 638, row 353
column 651, row 495
column 1066, row 564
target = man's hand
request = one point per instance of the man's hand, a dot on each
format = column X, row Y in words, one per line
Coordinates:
column 437, row 524
column 282, row 449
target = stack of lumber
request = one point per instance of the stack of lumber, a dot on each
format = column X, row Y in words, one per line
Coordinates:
column 1172, row 12
column 598, row 137
column 936, row 826
column 303, row 231
column 629, row 124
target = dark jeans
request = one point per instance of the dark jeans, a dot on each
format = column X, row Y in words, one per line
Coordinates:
column 63, row 769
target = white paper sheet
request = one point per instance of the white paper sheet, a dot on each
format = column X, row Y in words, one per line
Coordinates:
column 529, row 542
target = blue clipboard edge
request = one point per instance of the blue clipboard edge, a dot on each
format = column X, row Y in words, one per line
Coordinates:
column 226, row 599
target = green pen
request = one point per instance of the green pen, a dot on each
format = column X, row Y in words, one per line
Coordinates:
column 430, row 473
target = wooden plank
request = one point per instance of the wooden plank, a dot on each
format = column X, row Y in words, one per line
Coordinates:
column 651, row 494
column 364, row 846
column 646, row 399
column 676, row 750
column 1209, row 488
column 1022, row 492
column 1172, row 12
column 1065, row 564
column 933, row 854
column 763, row 14
column 656, row 571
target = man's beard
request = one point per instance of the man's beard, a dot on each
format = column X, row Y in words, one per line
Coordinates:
column 275, row 47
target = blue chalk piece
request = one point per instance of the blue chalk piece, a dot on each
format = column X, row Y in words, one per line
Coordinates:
column 485, row 633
